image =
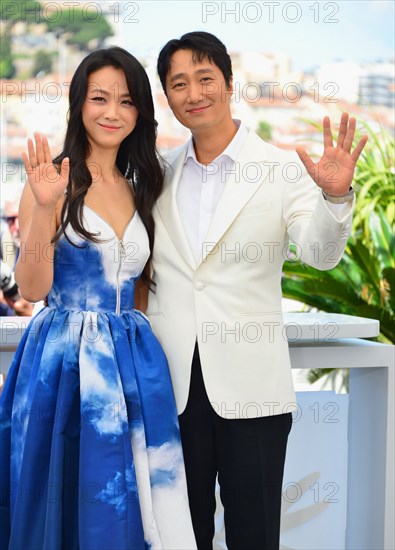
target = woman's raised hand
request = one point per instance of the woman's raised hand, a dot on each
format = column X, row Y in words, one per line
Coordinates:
column 46, row 182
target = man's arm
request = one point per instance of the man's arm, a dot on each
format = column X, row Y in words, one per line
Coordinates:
column 318, row 208
column 319, row 232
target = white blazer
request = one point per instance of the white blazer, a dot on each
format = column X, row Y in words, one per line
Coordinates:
column 231, row 301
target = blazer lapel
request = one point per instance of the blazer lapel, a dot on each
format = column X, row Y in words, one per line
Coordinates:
column 168, row 210
column 250, row 170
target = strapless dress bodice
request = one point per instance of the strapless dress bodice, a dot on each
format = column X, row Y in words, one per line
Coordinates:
column 101, row 276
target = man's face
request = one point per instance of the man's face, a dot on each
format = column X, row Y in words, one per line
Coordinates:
column 11, row 217
column 197, row 92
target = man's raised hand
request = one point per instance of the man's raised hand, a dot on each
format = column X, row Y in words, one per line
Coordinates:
column 334, row 172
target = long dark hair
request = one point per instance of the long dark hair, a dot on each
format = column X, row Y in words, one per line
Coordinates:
column 137, row 157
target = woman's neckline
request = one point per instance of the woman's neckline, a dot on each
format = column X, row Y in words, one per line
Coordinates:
column 109, row 225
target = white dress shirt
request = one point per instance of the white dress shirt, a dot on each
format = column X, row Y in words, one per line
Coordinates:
column 201, row 186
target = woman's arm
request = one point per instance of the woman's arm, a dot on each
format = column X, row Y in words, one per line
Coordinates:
column 141, row 296
column 41, row 197
column 34, row 269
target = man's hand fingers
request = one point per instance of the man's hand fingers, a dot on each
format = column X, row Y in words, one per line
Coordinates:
column 342, row 130
column 304, row 157
column 358, row 149
column 328, row 140
column 347, row 144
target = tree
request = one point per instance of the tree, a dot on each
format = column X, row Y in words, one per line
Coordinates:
column 12, row 12
column 42, row 62
column 264, row 130
column 81, row 27
column 7, row 68
column 27, row 11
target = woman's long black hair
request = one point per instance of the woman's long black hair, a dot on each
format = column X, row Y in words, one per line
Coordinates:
column 137, row 157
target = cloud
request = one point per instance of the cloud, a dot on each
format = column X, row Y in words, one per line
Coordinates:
column 112, row 493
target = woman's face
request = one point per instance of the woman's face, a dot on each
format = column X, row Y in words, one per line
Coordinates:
column 108, row 113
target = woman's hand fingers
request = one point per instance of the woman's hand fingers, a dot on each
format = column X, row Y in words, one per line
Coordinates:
column 26, row 162
column 65, row 170
column 46, row 150
column 39, row 148
column 32, row 153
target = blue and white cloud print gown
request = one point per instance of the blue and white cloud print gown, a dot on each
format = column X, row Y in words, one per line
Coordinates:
column 90, row 452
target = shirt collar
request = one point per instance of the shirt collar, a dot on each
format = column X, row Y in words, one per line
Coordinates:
column 232, row 150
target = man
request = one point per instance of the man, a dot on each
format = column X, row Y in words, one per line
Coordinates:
column 10, row 237
column 230, row 205
column 11, row 302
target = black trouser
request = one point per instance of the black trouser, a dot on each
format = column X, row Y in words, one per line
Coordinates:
column 248, row 455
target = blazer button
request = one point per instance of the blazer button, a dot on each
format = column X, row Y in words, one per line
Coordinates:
column 199, row 285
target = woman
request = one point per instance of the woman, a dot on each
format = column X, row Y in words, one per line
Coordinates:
column 90, row 449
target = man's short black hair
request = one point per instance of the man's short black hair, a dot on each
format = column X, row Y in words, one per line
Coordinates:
column 202, row 44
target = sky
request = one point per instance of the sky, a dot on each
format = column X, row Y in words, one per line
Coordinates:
column 310, row 32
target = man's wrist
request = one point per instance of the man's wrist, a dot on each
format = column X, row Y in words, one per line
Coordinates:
column 339, row 200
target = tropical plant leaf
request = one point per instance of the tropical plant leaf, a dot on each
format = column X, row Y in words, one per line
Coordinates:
column 383, row 238
column 389, row 284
